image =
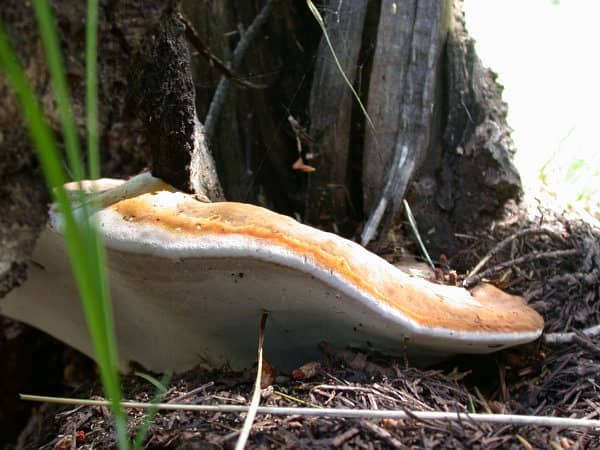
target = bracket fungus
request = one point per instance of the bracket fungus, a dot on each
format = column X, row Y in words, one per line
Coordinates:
column 189, row 281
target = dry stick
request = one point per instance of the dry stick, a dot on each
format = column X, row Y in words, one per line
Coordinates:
column 74, row 437
column 345, row 436
column 566, row 338
column 143, row 183
column 586, row 342
column 589, row 278
column 471, row 281
column 502, row 244
column 218, row 100
column 192, row 392
column 245, row 433
column 524, row 442
column 506, row 419
column 382, row 434
column 192, row 35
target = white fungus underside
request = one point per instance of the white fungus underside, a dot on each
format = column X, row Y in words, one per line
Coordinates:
column 179, row 301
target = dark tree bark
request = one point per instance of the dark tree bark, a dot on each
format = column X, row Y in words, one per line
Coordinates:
column 468, row 176
column 330, row 111
column 439, row 137
column 162, row 95
column 405, row 96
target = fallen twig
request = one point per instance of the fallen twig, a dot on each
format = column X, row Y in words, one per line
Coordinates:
column 220, row 94
column 566, row 338
column 192, row 35
column 473, row 280
column 586, row 342
column 245, row 433
column 354, row 360
column 382, row 434
column 502, row 244
column 506, row 419
column 342, row 438
column 191, row 392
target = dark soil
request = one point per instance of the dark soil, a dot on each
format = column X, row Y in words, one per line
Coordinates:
column 24, row 350
column 537, row 379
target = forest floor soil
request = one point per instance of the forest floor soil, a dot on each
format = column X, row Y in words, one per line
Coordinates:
column 551, row 260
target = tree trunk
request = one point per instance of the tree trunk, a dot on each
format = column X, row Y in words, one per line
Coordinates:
column 438, row 135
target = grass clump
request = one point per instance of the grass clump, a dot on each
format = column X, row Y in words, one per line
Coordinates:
column 84, row 243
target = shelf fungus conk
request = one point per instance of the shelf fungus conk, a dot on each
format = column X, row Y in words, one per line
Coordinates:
column 189, row 281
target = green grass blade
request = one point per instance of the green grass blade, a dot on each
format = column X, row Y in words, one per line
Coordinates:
column 84, row 245
column 102, row 318
column 91, row 88
column 99, row 318
column 415, row 230
column 160, row 385
column 49, row 157
column 112, row 384
column 49, row 37
column 161, row 390
column 317, row 15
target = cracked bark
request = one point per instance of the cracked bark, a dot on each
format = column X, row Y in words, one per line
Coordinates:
column 407, row 64
column 163, row 95
column 465, row 184
column 330, row 111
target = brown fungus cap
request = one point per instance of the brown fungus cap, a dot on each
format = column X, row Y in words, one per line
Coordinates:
column 189, row 281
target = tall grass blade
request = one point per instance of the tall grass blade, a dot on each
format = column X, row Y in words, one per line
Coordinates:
column 84, row 244
column 415, row 230
column 91, row 88
column 49, row 37
column 317, row 15
column 161, row 390
column 110, row 372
